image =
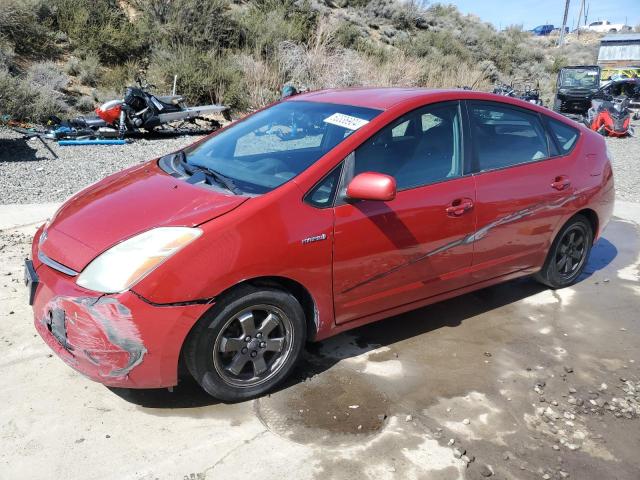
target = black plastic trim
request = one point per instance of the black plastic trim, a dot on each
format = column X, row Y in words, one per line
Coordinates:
column 331, row 203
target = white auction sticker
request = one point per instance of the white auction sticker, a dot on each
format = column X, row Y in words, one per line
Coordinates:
column 346, row 121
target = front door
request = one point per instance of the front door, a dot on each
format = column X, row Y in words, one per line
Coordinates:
column 388, row 254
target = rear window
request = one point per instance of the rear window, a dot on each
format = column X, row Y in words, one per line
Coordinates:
column 566, row 136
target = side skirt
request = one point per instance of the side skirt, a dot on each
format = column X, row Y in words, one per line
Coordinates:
column 336, row 329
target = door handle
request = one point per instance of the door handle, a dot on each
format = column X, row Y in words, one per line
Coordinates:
column 459, row 206
column 561, row 182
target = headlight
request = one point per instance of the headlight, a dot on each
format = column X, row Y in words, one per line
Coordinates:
column 126, row 263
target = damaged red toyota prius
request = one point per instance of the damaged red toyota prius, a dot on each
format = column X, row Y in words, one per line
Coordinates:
column 316, row 215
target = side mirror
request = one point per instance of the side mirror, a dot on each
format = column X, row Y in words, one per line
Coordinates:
column 372, row 186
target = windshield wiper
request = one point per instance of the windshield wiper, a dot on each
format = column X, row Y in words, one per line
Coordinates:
column 217, row 176
column 220, row 178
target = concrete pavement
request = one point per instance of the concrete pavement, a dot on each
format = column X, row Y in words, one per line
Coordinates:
column 383, row 401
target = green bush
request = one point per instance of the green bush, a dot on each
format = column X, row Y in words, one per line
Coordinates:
column 352, row 3
column 99, row 27
column 22, row 101
column 205, row 24
column 25, row 23
column 82, row 103
column 72, row 67
column 120, row 76
column 89, row 70
column 558, row 63
column 47, row 76
column 347, row 34
column 427, row 43
column 267, row 23
column 203, row 77
column 6, row 55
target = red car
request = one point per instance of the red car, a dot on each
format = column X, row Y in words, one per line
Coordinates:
column 316, row 215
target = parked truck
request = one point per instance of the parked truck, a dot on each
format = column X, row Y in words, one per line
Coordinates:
column 605, row 26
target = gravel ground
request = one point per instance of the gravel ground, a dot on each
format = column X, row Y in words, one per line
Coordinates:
column 29, row 173
column 626, row 165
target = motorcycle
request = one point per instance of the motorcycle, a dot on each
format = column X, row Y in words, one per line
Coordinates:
column 529, row 94
column 139, row 110
column 610, row 116
column 504, row 89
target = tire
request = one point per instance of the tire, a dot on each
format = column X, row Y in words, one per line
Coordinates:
column 568, row 254
column 247, row 343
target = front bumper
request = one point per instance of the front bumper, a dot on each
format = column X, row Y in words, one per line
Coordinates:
column 118, row 340
column 574, row 104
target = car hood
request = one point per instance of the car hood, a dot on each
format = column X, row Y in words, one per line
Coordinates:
column 123, row 205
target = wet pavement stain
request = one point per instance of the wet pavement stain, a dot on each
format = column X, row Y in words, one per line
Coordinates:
column 341, row 406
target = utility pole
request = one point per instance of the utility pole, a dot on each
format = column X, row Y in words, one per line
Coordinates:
column 564, row 22
column 586, row 14
column 580, row 15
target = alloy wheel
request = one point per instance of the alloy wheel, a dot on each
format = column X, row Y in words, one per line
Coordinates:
column 253, row 345
column 571, row 252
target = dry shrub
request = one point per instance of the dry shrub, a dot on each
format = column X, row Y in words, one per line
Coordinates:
column 323, row 63
column 260, row 80
column 23, row 101
column 47, row 76
column 120, row 76
column 25, row 24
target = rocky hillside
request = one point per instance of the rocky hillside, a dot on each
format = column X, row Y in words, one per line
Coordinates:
column 65, row 56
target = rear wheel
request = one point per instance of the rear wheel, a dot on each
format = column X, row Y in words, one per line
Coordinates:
column 568, row 254
column 247, row 344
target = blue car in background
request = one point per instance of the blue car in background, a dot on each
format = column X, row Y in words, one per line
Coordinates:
column 542, row 30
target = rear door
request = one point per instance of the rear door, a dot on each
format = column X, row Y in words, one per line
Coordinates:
column 388, row 254
column 522, row 186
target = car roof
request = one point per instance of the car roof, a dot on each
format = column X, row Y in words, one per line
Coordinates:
column 580, row 66
column 383, row 98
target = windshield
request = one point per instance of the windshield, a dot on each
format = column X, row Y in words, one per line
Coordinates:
column 274, row 145
column 579, row 77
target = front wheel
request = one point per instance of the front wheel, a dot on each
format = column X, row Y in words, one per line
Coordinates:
column 568, row 254
column 247, row 344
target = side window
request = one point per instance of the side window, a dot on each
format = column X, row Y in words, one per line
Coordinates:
column 421, row 147
column 565, row 135
column 505, row 136
column 321, row 196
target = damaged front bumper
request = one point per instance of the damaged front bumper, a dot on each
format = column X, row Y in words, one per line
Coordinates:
column 119, row 340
